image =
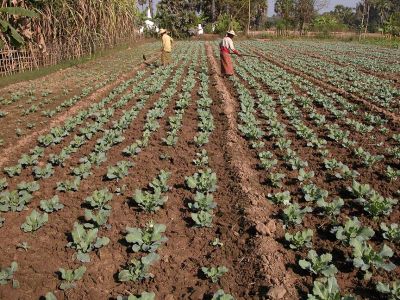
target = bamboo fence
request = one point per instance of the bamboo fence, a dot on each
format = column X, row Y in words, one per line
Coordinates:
column 14, row 61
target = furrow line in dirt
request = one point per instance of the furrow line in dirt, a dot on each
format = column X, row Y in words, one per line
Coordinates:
column 395, row 118
column 270, row 252
column 6, row 154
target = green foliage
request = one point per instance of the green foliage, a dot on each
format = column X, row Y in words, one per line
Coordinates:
column 225, row 23
column 161, row 182
column 44, row 172
column 313, row 193
column 391, row 232
column 14, row 200
column 10, row 31
column 214, row 273
column 203, row 181
column 331, row 209
column 96, row 218
column 7, row 275
column 201, row 159
column 119, row 171
column 327, row 289
column 319, row 264
column 280, row 198
column 202, row 202
column 143, row 296
column 13, row 170
column 69, row 185
column 221, row 295
column 51, row 205
column 86, row 240
column 202, row 218
column 392, row 290
column 69, row 277
column 3, row 184
column 378, row 205
column 138, row 269
column 276, row 179
column 28, row 187
column 148, row 239
column 300, row 239
column 148, row 200
column 34, row 221
column 365, row 257
column 353, row 230
column 99, row 199
column 293, row 214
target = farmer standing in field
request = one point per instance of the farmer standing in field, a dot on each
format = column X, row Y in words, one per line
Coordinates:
column 166, row 47
column 226, row 47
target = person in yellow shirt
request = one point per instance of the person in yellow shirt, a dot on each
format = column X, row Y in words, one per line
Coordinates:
column 166, row 47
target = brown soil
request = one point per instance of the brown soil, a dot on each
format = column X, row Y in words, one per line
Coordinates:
column 177, row 275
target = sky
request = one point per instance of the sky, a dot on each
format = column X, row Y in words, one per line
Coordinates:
column 331, row 5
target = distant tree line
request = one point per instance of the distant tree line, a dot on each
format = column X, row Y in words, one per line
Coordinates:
column 180, row 16
column 368, row 16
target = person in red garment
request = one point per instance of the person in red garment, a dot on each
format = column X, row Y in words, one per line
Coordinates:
column 226, row 47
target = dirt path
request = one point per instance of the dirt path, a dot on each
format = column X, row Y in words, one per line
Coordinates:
column 278, row 283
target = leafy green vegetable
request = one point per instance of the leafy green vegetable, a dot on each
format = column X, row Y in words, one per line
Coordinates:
column 14, row 200
column 70, row 276
column 319, row 264
column 51, row 205
column 119, row 171
column 327, row 289
column 29, row 187
column 331, row 209
column 96, row 219
column 7, row 274
column 280, row 198
column 138, row 269
column 161, row 182
column 34, row 221
column 365, row 257
column 3, row 184
column 44, row 172
column 148, row 239
column 353, row 230
column 300, row 239
column 202, row 218
column 276, row 179
column 69, row 185
column 392, row 290
column 214, row 273
column 293, row 214
column 203, row 181
column 313, row 193
column 391, row 232
column 143, row 296
column 84, row 241
column 99, row 199
column 150, row 201
column 221, row 295
column 203, row 202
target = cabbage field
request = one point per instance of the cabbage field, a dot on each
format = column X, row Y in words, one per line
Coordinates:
column 124, row 180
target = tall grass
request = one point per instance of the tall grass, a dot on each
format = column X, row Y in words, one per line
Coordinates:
column 83, row 23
